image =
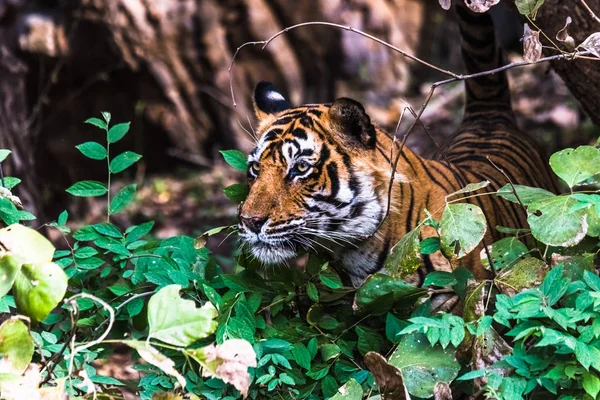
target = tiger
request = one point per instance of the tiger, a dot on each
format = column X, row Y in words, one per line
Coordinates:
column 320, row 174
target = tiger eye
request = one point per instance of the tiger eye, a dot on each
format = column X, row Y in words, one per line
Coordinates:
column 302, row 167
column 255, row 167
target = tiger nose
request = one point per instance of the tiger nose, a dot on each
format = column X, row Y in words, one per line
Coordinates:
column 253, row 223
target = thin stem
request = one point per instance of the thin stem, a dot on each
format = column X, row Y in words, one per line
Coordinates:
column 2, row 176
column 109, row 174
column 544, row 35
column 592, row 14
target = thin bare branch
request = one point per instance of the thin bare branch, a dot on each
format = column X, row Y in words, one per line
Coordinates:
column 592, row 14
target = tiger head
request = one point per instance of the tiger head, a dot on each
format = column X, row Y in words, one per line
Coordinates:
column 315, row 177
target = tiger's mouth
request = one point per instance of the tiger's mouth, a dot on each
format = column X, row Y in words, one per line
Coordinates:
column 273, row 253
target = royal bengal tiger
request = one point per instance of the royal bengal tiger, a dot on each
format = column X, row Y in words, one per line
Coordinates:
column 319, row 175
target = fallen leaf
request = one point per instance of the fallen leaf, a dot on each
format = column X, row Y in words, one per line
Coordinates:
column 532, row 47
column 564, row 37
column 388, row 378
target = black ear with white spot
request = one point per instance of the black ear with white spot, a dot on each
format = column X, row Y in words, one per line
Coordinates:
column 350, row 119
column 267, row 100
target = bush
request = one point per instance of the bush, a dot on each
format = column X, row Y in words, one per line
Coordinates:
column 299, row 333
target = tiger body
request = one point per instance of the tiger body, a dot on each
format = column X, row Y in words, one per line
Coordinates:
column 320, row 174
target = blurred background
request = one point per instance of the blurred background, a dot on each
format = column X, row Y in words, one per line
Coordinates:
column 164, row 66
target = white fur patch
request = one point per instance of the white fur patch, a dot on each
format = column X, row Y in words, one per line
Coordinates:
column 275, row 96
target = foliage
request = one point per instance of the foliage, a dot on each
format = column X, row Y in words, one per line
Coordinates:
column 301, row 333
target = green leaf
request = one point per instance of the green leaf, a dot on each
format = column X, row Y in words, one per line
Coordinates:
column 85, row 252
column 117, row 132
column 503, row 253
column 137, row 232
column 526, row 273
column 575, row 166
column 462, row 228
column 9, row 268
column 591, row 384
column 92, row 150
column 96, row 122
column 526, row 194
column 123, row 161
column 122, row 199
column 16, row 346
column 236, row 159
column 331, row 279
column 301, row 355
column 440, row 278
column 351, row 390
column 557, row 221
column 329, row 351
column 28, row 244
column 381, row 292
column 39, row 288
column 393, row 326
column 529, row 7
column 404, row 258
column 183, row 327
column 430, row 245
column 87, row 188
column 312, row 292
column 423, row 366
column 237, row 192
column 62, row 218
column 108, row 229
column 106, row 115
column 10, row 182
column 3, row 154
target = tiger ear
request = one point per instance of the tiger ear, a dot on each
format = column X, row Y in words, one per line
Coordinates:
column 267, row 100
column 350, row 119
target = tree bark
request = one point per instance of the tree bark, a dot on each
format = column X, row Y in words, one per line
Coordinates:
column 582, row 77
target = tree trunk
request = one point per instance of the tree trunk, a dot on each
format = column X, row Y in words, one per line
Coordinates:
column 582, row 77
column 164, row 66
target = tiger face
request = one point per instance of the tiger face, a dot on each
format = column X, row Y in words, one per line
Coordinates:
column 313, row 182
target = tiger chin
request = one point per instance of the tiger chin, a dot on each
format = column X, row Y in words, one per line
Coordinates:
column 318, row 180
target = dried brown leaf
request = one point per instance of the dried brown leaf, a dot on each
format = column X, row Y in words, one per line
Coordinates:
column 388, row 378
column 480, row 6
column 532, row 47
column 446, row 4
column 564, row 37
column 442, row 391
column 592, row 44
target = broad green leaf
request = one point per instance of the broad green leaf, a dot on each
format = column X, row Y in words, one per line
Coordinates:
column 593, row 220
column 3, row 154
column 312, row 292
column 39, row 288
column 108, row 229
column 503, row 253
column 529, row 7
column 526, row 273
column 85, row 252
column 329, row 351
column 10, row 182
column 10, row 265
column 557, row 222
column 351, row 390
column 87, row 188
column 237, row 192
column 123, row 161
column 16, row 346
column 381, row 292
column 591, row 384
column 92, row 150
column 236, row 159
column 526, row 194
column 183, row 327
column 576, row 165
column 301, row 355
column 122, row 199
column 96, row 122
column 330, row 279
column 117, row 132
column 423, row 366
column 471, row 187
column 430, row 245
column 137, row 232
column 440, row 278
column 28, row 244
column 156, row 358
column 62, row 218
column 404, row 258
column 462, row 228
